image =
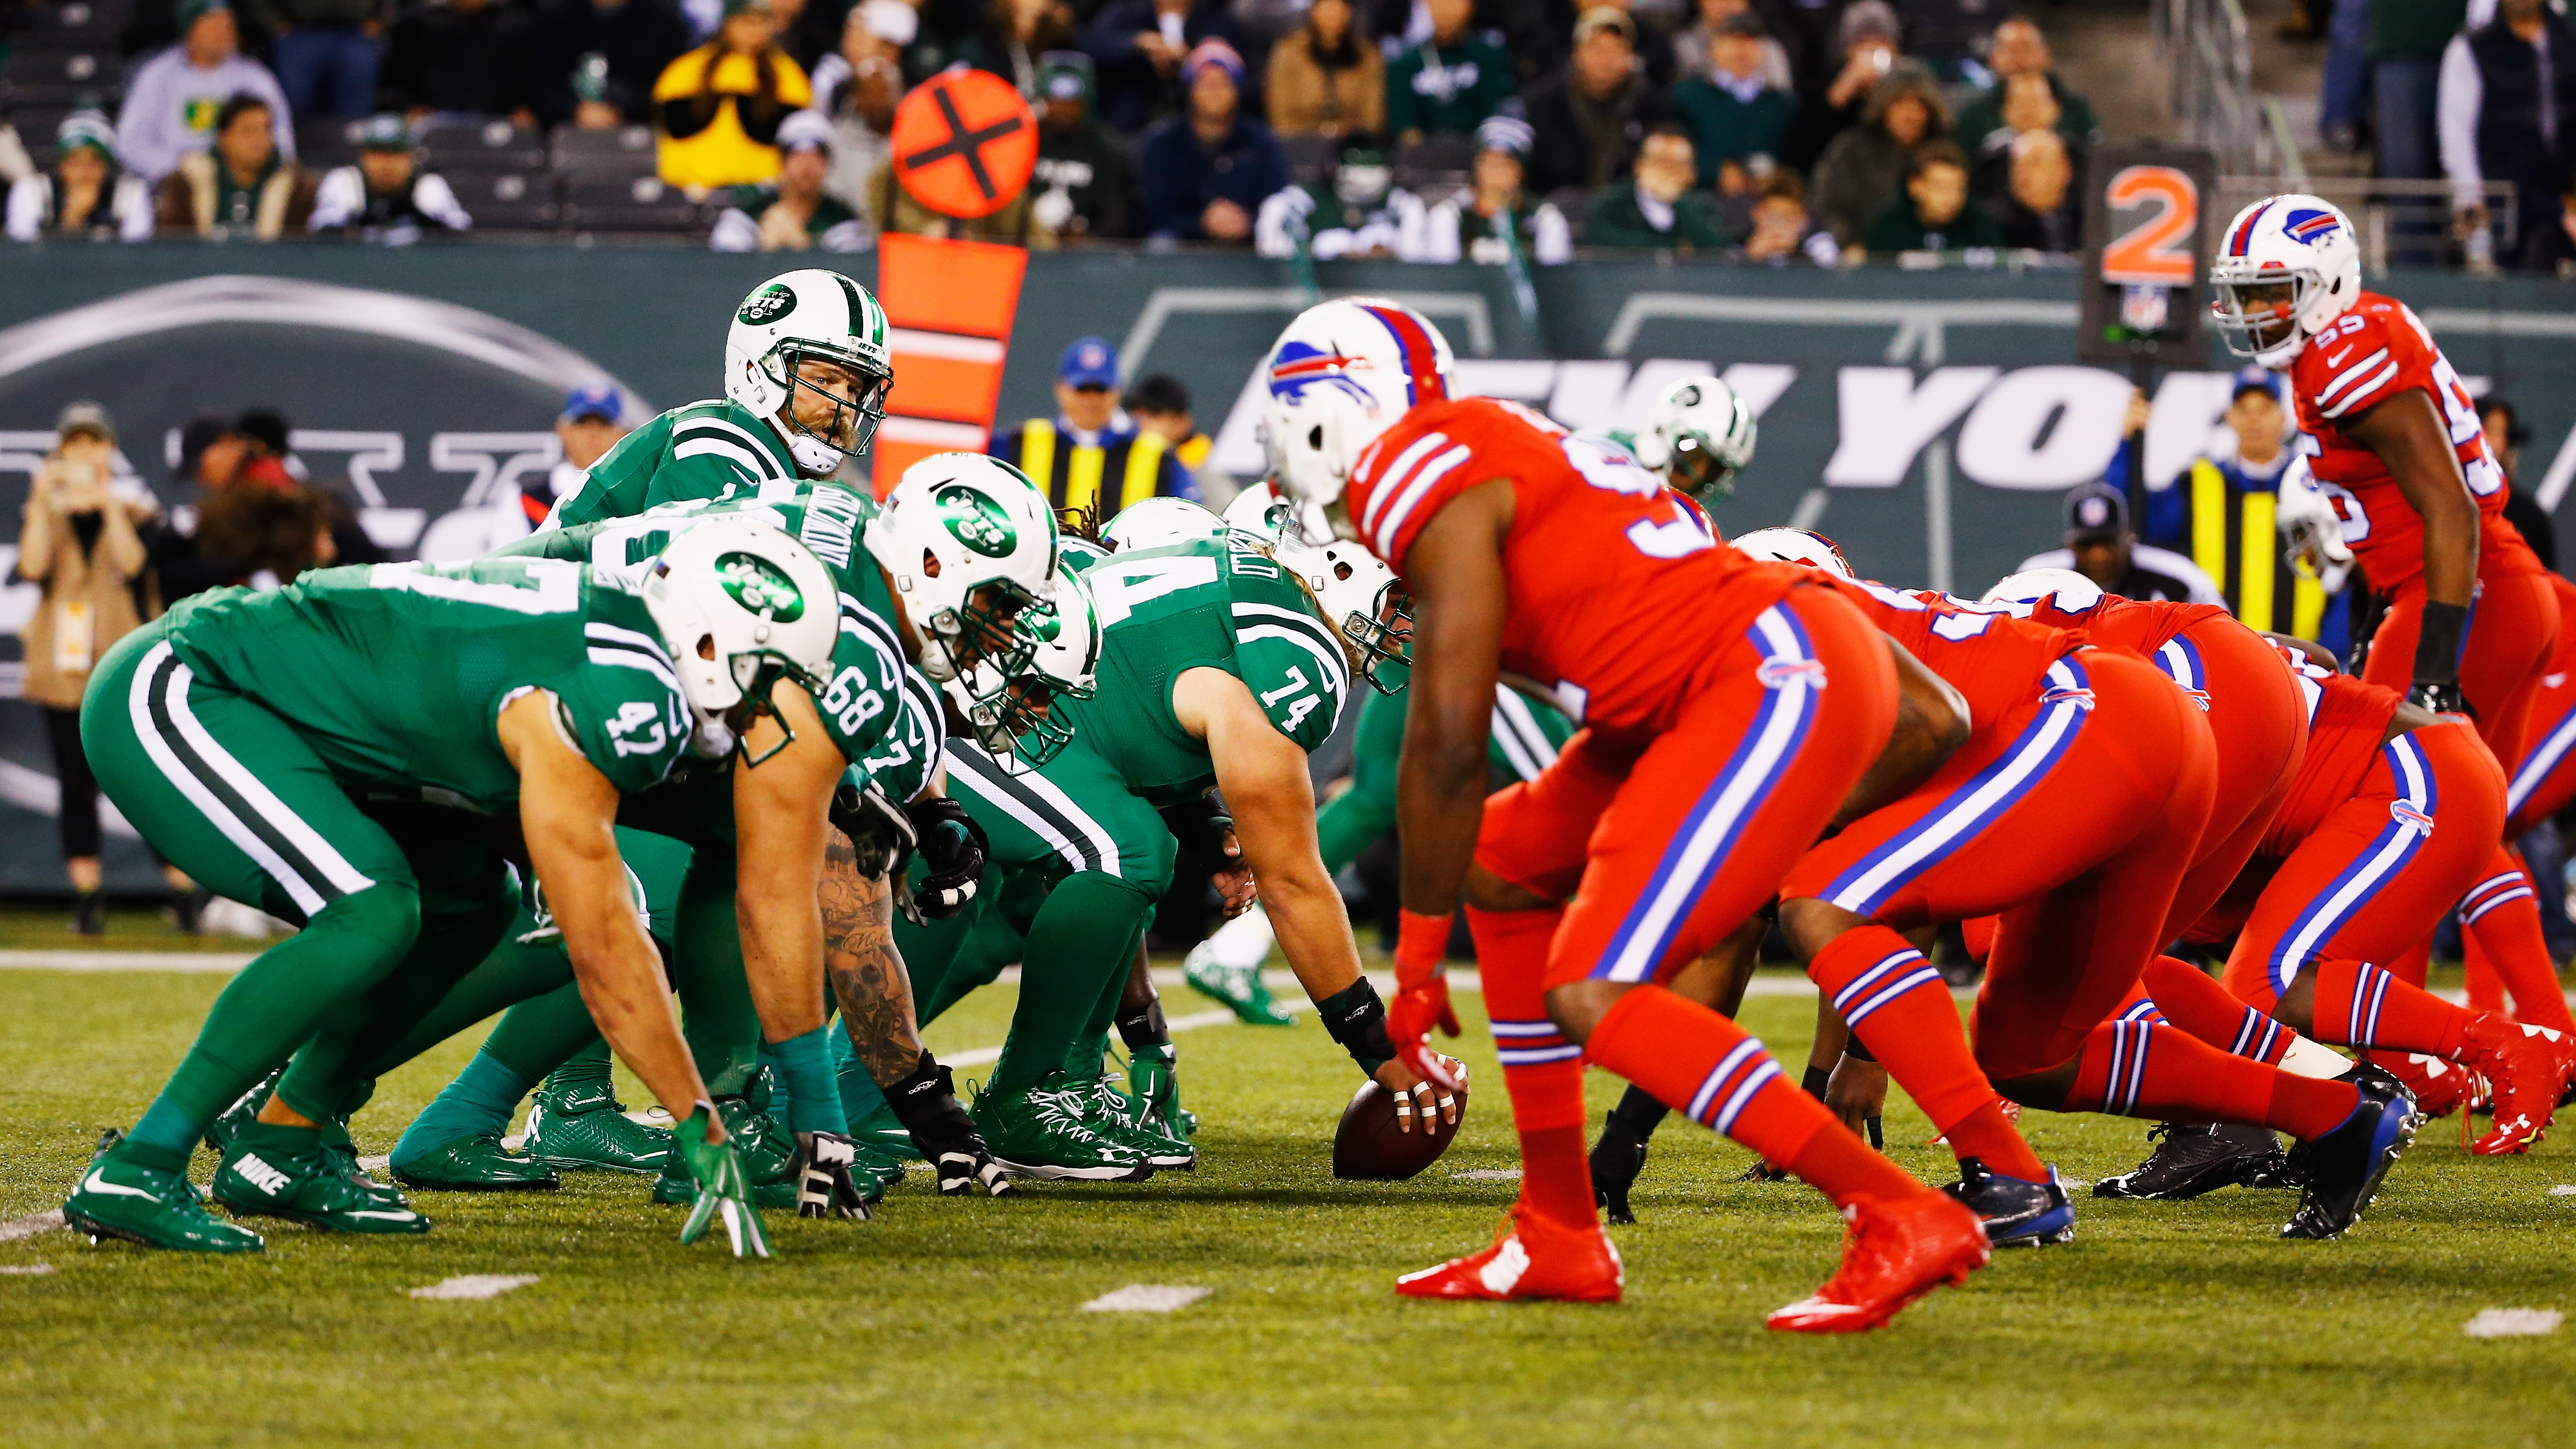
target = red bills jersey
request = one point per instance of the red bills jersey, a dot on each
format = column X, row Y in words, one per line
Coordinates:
column 2372, row 353
column 1997, row 663
column 1619, row 596
column 2347, row 723
column 2140, row 626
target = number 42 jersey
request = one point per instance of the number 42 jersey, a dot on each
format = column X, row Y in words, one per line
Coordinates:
column 1620, row 598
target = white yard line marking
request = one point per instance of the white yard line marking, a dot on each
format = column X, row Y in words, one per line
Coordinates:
column 27, row 1227
column 27, row 1270
column 193, row 962
column 475, row 1285
column 2513, row 1322
column 2564, row 1189
column 1489, row 1174
column 1145, row 1298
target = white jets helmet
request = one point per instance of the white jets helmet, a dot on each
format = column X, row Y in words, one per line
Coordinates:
column 1342, row 374
column 969, row 542
column 2075, row 593
column 820, row 315
column 741, row 605
column 2309, row 524
column 1012, row 716
column 2303, row 242
column 1154, row 522
column 1356, row 590
column 1797, row 546
column 1259, row 511
column 1699, row 434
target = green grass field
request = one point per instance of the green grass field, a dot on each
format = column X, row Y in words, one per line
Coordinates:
column 960, row 1322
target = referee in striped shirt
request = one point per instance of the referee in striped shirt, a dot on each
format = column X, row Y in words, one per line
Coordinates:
column 1091, row 454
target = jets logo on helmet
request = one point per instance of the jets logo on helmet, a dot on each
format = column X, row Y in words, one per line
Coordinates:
column 977, row 520
column 807, row 352
column 1339, row 377
column 729, row 599
column 757, row 585
column 1258, row 511
column 969, row 544
column 2290, row 266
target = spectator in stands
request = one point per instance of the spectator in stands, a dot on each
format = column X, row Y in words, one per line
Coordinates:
column 2508, row 113
column 2040, row 209
column 1657, row 209
column 1356, row 210
column 1161, row 405
column 2100, row 546
column 1091, row 454
column 326, row 52
column 1737, row 117
column 1653, row 44
column 268, row 461
column 1324, row 79
column 461, row 60
column 2506, row 432
column 793, row 213
column 721, row 104
column 2029, row 106
column 1865, row 41
column 15, row 164
column 87, row 195
column 1143, row 50
column 858, row 88
column 1017, row 35
column 1452, row 81
column 386, row 197
column 1083, row 183
column 1489, row 223
column 1691, row 46
column 2021, row 50
column 77, row 542
column 1863, row 170
column 1206, row 173
column 2405, row 47
column 2344, row 93
column 894, row 212
column 1933, row 214
column 1591, row 117
column 243, row 190
column 634, row 40
column 1782, row 231
column 171, row 103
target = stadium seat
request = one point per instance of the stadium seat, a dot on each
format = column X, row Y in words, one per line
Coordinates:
column 1435, row 165
column 573, row 145
column 34, row 76
column 36, row 126
column 492, row 146
column 78, row 25
column 507, row 200
column 622, row 193
column 1308, row 157
column 321, row 145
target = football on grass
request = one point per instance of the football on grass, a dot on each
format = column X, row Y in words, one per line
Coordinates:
column 1368, row 1148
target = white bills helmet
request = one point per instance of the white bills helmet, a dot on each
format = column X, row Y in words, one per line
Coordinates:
column 741, row 605
column 2303, row 242
column 1342, row 374
column 969, row 542
column 825, row 316
column 2075, row 593
column 1797, row 546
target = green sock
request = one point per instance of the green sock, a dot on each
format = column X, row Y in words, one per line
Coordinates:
column 805, row 1075
column 479, row 1102
column 1079, row 948
column 860, row 1099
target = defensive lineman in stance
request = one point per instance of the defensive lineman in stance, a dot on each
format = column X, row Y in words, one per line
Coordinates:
column 338, row 752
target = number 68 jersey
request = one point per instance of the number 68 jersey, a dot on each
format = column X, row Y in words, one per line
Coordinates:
column 1620, row 597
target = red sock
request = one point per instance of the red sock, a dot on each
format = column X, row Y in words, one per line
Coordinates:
column 2360, row 1005
column 2187, row 998
column 1542, row 1070
column 2500, row 916
column 2145, row 1069
column 1901, row 1010
column 2478, row 975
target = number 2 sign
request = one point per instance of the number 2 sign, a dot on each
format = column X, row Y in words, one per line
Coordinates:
column 2147, row 238
column 2156, row 211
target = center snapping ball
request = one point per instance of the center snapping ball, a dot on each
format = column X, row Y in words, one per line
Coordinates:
column 1367, row 1147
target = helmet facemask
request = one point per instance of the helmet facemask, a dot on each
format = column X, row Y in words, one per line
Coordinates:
column 1013, row 714
column 982, row 632
column 1696, row 470
column 822, row 425
column 2255, row 319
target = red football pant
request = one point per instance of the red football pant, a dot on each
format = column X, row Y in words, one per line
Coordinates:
column 2258, row 726
column 2544, row 778
column 2513, row 632
column 2074, row 819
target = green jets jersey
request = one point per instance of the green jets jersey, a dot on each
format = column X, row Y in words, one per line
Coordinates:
column 878, row 709
column 707, row 450
column 395, row 673
column 1221, row 604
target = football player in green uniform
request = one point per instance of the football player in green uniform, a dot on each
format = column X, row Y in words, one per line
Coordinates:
column 1699, row 433
column 1226, row 967
column 337, row 752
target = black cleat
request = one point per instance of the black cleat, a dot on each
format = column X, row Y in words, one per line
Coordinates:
column 2194, row 1158
column 1617, row 1160
column 2341, row 1171
column 2017, row 1214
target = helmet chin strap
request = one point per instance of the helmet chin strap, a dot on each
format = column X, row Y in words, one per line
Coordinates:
column 812, row 454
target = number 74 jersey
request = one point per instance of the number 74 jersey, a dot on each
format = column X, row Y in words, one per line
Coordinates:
column 1621, row 597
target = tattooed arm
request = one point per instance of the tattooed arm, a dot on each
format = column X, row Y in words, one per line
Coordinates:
column 866, row 971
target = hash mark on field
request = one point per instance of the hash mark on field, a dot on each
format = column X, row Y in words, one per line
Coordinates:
column 1489, row 1174
column 27, row 1270
column 2513, row 1322
column 2564, row 1189
column 1145, row 1298
column 475, row 1285
column 27, row 1227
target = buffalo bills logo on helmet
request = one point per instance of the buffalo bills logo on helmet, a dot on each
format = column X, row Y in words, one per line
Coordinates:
column 2309, row 225
column 2405, row 812
column 1299, row 366
column 1777, row 673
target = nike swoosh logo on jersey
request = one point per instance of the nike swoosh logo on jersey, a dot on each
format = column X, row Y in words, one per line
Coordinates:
column 2337, row 359
column 96, row 1183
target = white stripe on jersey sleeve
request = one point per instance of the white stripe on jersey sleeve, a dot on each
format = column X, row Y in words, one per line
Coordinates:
column 1392, row 477
column 2368, row 387
column 1425, row 479
column 2349, row 376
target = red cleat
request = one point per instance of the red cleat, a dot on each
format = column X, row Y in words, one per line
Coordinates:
column 2441, row 1088
column 1532, row 1257
column 2527, row 1066
column 1895, row 1253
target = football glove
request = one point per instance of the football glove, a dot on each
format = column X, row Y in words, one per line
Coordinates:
column 723, row 1188
column 953, row 847
column 824, row 1187
column 877, row 827
column 2441, row 698
column 1421, row 995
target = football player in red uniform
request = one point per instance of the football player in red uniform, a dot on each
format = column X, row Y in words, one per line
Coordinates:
column 1728, row 711
column 2402, row 457
column 2073, row 812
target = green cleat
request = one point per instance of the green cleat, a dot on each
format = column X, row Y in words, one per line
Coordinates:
column 884, row 1132
column 1109, row 1111
column 583, row 1126
column 282, row 1172
column 120, row 1198
column 887, row 1168
column 1042, row 1132
column 476, row 1162
column 243, row 1112
column 768, row 1154
column 1238, row 989
column 1153, row 1080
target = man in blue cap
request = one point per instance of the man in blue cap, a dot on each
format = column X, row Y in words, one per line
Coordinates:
column 2100, row 546
column 1091, row 454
